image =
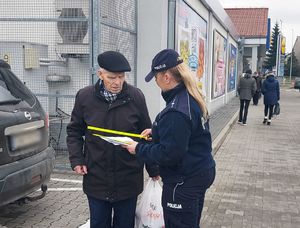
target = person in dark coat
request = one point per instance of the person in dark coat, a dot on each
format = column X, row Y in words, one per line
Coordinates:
column 257, row 94
column 271, row 92
column 246, row 90
column 181, row 144
column 112, row 178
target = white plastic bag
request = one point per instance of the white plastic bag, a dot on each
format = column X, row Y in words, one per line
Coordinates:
column 149, row 212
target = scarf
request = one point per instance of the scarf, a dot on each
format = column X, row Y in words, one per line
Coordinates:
column 109, row 96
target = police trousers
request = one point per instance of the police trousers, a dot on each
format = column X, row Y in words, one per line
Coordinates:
column 183, row 201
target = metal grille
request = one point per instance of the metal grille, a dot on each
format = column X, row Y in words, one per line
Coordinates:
column 118, row 30
column 119, row 13
column 48, row 45
column 122, row 41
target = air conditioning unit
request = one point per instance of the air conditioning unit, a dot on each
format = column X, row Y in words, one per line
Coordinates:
column 72, row 27
column 72, row 31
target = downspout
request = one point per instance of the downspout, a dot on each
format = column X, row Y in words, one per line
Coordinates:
column 171, row 23
column 94, row 38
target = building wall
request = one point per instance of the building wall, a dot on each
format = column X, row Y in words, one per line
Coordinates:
column 200, row 8
column 153, row 37
column 296, row 48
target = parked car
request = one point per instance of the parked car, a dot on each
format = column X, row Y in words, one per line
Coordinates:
column 26, row 160
column 297, row 83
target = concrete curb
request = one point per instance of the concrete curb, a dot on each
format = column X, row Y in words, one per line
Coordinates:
column 222, row 135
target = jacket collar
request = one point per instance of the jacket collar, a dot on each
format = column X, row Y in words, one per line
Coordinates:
column 122, row 94
column 247, row 75
column 170, row 94
column 270, row 78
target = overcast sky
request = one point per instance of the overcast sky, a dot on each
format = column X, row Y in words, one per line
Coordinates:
column 286, row 12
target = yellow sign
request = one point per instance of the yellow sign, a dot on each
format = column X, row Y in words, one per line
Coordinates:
column 283, row 45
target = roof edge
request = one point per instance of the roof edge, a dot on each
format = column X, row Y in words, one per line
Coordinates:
column 222, row 17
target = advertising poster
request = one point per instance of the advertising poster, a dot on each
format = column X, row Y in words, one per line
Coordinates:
column 232, row 68
column 191, row 41
column 219, row 65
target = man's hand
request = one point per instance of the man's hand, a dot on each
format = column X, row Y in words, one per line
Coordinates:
column 80, row 169
column 130, row 147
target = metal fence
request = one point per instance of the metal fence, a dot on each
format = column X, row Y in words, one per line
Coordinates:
column 52, row 46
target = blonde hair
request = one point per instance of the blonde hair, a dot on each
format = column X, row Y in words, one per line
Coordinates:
column 182, row 73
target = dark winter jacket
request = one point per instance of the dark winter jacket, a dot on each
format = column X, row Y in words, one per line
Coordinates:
column 246, row 87
column 113, row 173
column 181, row 138
column 270, row 90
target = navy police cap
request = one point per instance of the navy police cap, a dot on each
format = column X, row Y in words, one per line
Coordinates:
column 164, row 60
column 113, row 61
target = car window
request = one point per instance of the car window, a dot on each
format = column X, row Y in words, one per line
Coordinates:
column 3, row 84
column 7, row 98
column 12, row 90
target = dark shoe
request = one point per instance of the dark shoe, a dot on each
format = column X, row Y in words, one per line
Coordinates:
column 269, row 122
column 265, row 121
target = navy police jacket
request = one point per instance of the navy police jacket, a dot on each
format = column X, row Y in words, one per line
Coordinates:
column 181, row 140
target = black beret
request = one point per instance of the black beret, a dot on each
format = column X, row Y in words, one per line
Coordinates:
column 113, row 61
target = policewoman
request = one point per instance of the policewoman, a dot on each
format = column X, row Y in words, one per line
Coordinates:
column 112, row 178
column 181, row 142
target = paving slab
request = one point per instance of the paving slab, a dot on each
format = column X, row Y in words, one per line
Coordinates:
column 257, row 182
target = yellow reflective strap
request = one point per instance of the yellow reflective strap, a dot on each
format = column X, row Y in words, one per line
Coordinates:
column 116, row 132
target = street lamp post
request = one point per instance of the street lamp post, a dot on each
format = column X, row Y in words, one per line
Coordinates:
column 278, row 54
column 278, row 51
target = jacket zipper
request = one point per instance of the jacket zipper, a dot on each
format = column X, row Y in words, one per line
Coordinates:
column 110, row 107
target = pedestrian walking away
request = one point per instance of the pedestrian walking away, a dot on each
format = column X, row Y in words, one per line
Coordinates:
column 181, row 142
column 271, row 92
column 246, row 90
column 112, row 178
column 257, row 93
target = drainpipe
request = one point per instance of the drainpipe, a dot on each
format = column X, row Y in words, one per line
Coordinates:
column 171, row 23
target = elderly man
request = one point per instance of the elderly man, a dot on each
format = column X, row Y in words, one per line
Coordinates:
column 112, row 178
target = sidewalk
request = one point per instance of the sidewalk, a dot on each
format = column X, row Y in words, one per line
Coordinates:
column 258, row 175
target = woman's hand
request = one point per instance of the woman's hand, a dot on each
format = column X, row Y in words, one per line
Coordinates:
column 147, row 133
column 130, row 147
column 155, row 178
